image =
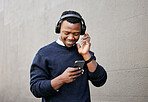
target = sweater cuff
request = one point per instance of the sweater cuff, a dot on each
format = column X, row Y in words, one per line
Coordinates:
column 52, row 90
column 47, row 88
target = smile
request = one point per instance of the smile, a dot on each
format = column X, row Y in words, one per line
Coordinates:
column 70, row 42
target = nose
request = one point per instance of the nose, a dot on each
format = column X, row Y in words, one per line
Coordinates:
column 70, row 37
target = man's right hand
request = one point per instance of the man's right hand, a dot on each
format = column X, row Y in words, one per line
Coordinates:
column 70, row 74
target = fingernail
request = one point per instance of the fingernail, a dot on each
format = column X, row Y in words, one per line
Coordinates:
column 79, row 68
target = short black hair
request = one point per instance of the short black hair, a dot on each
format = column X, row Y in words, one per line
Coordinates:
column 72, row 19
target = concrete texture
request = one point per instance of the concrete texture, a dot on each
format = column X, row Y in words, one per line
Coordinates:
column 119, row 37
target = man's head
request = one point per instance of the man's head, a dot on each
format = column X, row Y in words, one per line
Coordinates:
column 71, row 25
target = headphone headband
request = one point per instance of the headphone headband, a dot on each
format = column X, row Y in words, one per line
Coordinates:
column 70, row 15
column 83, row 28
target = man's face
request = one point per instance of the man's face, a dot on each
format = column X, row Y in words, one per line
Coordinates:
column 70, row 33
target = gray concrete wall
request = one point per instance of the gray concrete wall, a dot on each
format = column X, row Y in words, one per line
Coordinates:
column 119, row 37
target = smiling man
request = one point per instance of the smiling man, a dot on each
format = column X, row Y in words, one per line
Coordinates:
column 52, row 75
column 70, row 33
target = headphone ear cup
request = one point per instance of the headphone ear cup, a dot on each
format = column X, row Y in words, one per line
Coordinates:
column 83, row 29
column 57, row 29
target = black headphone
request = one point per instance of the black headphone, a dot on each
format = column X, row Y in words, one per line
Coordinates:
column 83, row 27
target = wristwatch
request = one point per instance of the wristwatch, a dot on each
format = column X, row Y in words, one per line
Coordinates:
column 92, row 57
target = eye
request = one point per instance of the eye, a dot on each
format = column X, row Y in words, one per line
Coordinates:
column 76, row 34
column 66, row 33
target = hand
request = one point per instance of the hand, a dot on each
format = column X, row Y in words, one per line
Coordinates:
column 70, row 74
column 85, row 42
column 86, row 37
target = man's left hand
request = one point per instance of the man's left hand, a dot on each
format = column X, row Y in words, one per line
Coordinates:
column 85, row 42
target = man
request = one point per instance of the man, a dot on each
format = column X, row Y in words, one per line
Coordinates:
column 52, row 75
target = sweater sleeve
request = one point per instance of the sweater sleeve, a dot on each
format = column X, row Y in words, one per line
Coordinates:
column 40, row 85
column 99, row 76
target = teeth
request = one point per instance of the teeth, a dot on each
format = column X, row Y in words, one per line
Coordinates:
column 68, row 42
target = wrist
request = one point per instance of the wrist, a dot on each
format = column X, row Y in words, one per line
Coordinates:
column 61, row 79
column 86, row 56
column 91, row 58
column 57, row 82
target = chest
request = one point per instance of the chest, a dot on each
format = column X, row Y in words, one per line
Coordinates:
column 61, row 61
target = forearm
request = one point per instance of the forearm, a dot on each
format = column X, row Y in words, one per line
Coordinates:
column 92, row 65
column 98, row 77
column 41, row 88
column 68, row 76
column 57, row 82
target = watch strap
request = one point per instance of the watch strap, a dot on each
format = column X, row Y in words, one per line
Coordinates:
column 92, row 57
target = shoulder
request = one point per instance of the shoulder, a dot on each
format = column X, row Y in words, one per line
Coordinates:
column 47, row 49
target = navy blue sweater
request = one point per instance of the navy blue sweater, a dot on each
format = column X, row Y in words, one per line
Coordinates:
column 51, row 61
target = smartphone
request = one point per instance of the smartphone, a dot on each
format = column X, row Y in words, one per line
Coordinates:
column 79, row 63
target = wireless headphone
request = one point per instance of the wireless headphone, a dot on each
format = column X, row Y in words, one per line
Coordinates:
column 83, row 27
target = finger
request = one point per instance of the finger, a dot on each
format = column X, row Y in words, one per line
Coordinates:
column 76, row 73
column 82, row 42
column 71, row 69
column 82, row 71
column 74, row 77
column 86, row 37
column 86, row 34
column 78, row 45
